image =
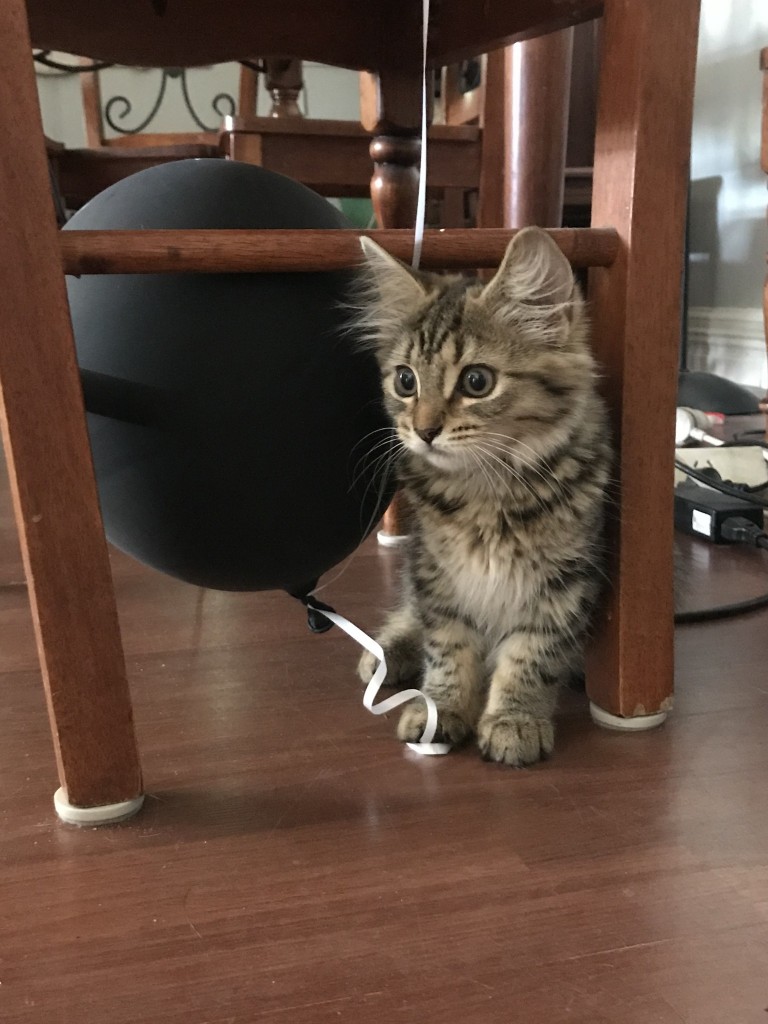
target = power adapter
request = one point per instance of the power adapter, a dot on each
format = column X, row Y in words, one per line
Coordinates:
column 703, row 512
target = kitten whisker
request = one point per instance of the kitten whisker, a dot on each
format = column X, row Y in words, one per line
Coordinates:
column 528, row 485
column 386, row 442
column 371, row 459
column 550, row 481
column 379, row 472
column 538, row 458
column 517, row 455
column 490, row 472
column 389, row 431
column 525, row 484
column 385, row 476
column 382, row 466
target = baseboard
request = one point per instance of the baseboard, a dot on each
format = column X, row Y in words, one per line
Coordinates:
column 730, row 341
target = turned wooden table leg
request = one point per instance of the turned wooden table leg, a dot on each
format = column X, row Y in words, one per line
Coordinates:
column 640, row 185
column 49, row 462
column 395, row 181
column 391, row 110
column 284, row 80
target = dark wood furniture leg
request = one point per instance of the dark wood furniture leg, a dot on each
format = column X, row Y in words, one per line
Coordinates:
column 391, row 111
column 284, row 80
column 525, row 132
column 764, row 165
column 494, row 163
column 51, row 474
column 640, row 182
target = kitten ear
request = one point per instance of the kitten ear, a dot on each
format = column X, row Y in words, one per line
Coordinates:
column 396, row 290
column 534, row 272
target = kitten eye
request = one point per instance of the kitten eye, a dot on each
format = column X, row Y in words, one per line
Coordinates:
column 405, row 381
column 476, row 381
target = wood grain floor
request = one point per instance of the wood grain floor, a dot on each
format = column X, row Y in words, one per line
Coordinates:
column 293, row 864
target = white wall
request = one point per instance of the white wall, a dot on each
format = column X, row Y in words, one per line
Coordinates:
column 728, row 193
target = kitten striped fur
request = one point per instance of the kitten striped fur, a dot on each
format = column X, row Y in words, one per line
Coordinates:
column 503, row 454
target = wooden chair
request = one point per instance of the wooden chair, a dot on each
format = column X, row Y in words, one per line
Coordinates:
column 330, row 156
column 83, row 172
column 634, row 248
column 333, row 156
column 468, row 135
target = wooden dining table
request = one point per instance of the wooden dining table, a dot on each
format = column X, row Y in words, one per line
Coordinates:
column 639, row 194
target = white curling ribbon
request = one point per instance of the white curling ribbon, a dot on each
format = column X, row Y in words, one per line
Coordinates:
column 425, row 744
column 421, row 200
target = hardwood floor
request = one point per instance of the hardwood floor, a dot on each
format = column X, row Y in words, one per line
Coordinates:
column 294, row 864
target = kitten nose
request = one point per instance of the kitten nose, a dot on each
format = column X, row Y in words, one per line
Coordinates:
column 428, row 434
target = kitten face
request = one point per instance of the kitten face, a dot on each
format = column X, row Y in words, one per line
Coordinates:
column 470, row 371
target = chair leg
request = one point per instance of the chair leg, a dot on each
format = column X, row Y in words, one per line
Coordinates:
column 640, row 181
column 527, row 86
column 764, row 165
column 51, row 472
column 391, row 110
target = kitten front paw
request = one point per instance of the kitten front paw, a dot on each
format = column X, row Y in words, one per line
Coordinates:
column 516, row 740
column 403, row 662
column 367, row 666
column 451, row 728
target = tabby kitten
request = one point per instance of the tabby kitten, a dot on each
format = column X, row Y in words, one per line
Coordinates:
column 504, row 461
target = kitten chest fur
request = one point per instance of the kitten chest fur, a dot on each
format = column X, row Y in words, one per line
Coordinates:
column 491, row 567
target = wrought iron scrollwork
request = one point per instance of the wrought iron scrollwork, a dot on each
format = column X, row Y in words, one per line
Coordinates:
column 218, row 99
column 118, row 108
column 43, row 57
column 259, row 66
column 127, row 107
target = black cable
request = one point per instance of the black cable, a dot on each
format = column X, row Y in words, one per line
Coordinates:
column 741, row 438
column 714, row 477
column 718, row 485
column 752, row 488
column 738, row 530
column 741, row 441
column 723, row 611
column 41, row 57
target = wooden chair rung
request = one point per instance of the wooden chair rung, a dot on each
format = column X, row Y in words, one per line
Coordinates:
column 207, row 251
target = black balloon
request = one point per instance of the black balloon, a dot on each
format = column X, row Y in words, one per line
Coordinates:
column 232, row 416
